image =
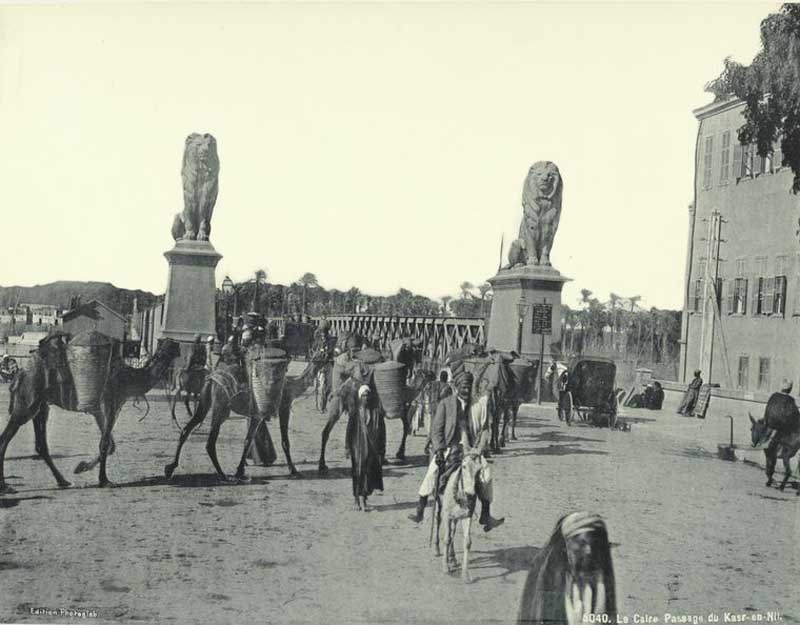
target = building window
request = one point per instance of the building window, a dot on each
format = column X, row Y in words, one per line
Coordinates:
column 726, row 156
column 740, row 296
column 763, row 374
column 759, row 285
column 779, row 300
column 747, row 161
column 701, row 267
column 744, row 372
column 777, row 156
column 707, row 162
column 696, row 302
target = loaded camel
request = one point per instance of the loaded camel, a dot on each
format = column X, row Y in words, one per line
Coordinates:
column 222, row 393
column 337, row 408
column 46, row 381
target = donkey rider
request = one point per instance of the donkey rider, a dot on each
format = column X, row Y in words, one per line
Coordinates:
column 459, row 424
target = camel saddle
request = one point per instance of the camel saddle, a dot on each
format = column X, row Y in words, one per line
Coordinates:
column 232, row 379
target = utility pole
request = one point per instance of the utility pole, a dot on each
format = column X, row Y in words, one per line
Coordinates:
column 704, row 320
column 711, row 278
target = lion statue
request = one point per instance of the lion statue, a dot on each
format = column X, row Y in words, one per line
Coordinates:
column 200, row 173
column 541, row 211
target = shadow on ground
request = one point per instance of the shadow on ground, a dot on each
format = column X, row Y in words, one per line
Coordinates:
column 509, row 560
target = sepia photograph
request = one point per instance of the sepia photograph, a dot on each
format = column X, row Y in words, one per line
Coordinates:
column 433, row 312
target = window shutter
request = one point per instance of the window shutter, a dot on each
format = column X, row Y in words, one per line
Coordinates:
column 796, row 310
column 738, row 160
column 744, row 296
column 777, row 157
column 729, row 296
column 769, row 295
column 780, row 289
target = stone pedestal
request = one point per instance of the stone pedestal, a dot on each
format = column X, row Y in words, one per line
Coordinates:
column 191, row 290
column 539, row 285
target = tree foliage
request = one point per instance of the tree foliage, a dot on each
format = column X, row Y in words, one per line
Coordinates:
column 770, row 89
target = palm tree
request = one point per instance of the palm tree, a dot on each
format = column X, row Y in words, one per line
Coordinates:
column 466, row 287
column 484, row 289
column 445, row 302
column 613, row 300
column 307, row 280
column 260, row 278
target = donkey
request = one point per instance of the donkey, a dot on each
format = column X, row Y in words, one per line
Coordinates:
column 786, row 445
column 458, row 505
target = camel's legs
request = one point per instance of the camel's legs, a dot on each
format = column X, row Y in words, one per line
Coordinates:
column 284, row 412
column 218, row 417
column 112, row 411
column 334, row 413
column 438, row 520
column 13, row 425
column 514, row 422
column 466, row 527
column 40, row 430
column 88, row 466
column 252, row 427
column 406, row 420
column 196, row 420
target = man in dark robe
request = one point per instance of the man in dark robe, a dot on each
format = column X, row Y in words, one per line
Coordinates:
column 364, row 441
column 781, row 415
column 690, row 398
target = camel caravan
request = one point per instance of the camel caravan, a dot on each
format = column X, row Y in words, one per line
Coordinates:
column 86, row 374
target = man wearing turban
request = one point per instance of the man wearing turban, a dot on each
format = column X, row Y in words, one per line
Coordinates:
column 459, row 424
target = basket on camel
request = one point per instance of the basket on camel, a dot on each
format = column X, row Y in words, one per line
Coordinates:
column 266, row 373
column 390, row 384
column 89, row 356
column 525, row 379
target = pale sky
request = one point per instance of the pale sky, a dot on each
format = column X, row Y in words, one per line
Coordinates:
column 378, row 146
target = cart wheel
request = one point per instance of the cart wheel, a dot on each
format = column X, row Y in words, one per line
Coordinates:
column 12, row 366
column 570, row 407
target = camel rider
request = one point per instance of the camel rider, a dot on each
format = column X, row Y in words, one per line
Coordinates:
column 459, row 424
column 209, row 353
column 230, row 353
column 237, row 330
column 197, row 359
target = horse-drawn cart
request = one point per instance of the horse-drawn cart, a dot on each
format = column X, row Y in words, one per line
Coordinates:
column 590, row 391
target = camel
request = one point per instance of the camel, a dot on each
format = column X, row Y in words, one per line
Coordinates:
column 38, row 387
column 458, row 505
column 420, row 380
column 190, row 382
column 217, row 399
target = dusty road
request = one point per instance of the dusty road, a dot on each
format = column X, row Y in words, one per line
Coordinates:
column 691, row 535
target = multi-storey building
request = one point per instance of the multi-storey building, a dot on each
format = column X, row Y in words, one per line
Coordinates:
column 741, row 321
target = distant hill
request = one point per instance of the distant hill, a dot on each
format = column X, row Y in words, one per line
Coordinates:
column 60, row 294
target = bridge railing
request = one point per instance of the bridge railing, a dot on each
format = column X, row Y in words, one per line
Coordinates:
column 439, row 335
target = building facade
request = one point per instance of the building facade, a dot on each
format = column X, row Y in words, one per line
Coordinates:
column 95, row 316
column 741, row 315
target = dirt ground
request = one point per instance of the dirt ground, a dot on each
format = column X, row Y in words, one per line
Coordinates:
column 691, row 535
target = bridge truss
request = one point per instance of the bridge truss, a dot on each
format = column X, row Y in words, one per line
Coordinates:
column 439, row 335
